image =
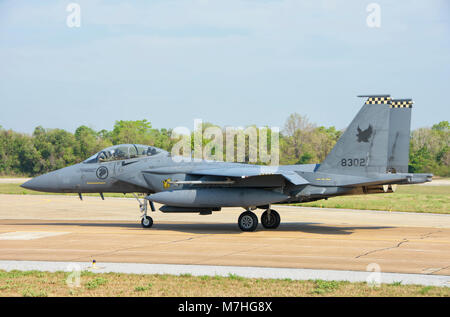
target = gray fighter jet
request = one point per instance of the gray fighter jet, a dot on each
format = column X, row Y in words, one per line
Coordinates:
column 370, row 157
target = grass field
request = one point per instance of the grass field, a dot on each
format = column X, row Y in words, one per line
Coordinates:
column 43, row 284
column 15, row 189
column 412, row 198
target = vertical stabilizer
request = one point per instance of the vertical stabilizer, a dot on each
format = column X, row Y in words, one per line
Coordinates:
column 363, row 147
column 399, row 135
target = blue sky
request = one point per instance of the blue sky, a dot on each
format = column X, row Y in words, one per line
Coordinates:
column 233, row 62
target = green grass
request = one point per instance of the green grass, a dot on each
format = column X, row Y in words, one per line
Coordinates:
column 235, row 277
column 15, row 189
column 96, row 282
column 412, row 198
column 425, row 290
column 47, row 284
column 396, row 283
column 143, row 288
column 14, row 176
column 323, row 287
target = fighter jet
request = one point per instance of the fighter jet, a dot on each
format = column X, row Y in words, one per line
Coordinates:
column 370, row 157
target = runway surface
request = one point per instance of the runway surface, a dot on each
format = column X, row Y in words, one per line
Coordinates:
column 63, row 228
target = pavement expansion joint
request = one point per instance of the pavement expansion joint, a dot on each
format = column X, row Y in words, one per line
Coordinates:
column 182, row 240
column 383, row 249
column 439, row 269
column 105, row 253
column 429, row 234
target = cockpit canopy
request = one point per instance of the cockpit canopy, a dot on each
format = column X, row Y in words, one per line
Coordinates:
column 123, row 152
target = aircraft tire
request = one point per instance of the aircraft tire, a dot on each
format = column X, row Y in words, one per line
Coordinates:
column 147, row 222
column 248, row 221
column 274, row 221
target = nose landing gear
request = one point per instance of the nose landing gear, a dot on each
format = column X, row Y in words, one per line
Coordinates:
column 146, row 221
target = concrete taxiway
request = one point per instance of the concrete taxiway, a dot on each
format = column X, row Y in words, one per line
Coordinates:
column 65, row 229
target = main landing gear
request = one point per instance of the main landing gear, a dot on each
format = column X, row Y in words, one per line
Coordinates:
column 146, row 221
column 270, row 219
column 248, row 221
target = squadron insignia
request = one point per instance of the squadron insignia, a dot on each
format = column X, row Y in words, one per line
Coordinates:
column 102, row 172
column 364, row 135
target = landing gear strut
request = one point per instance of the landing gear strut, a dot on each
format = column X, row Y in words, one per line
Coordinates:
column 146, row 221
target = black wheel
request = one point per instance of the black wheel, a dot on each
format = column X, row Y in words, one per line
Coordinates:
column 248, row 221
column 271, row 222
column 147, row 222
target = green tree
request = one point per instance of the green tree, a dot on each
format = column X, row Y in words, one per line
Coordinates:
column 139, row 131
column 56, row 148
column 17, row 154
column 441, row 126
column 89, row 142
column 301, row 142
column 429, row 150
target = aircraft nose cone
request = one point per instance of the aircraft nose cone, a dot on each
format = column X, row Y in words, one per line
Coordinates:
column 44, row 183
column 63, row 180
column 28, row 184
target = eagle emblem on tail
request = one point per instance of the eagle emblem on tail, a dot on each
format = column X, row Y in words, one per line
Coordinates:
column 364, row 135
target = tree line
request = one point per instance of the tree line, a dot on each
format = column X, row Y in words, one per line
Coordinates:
column 300, row 142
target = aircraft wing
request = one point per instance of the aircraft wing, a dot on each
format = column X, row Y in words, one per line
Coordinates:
column 241, row 172
column 246, row 172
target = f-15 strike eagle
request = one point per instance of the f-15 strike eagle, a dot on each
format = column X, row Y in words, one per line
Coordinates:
column 370, row 157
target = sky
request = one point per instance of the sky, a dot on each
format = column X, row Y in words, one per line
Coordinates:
column 229, row 62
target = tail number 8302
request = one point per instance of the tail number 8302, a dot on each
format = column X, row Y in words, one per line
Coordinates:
column 353, row 162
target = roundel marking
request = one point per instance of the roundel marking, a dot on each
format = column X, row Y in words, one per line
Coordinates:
column 102, row 172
